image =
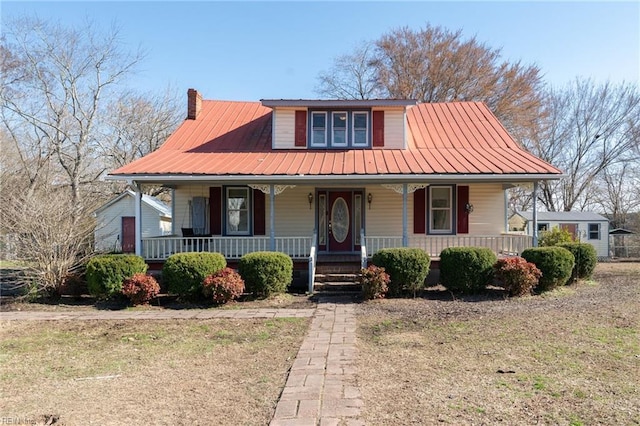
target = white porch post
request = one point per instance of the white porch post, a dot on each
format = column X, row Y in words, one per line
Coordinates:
column 535, row 214
column 138, row 217
column 173, row 211
column 405, row 235
column 506, row 210
column 272, row 217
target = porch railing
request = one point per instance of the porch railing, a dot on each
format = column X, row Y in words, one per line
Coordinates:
column 363, row 250
column 160, row 248
column 313, row 259
column 505, row 244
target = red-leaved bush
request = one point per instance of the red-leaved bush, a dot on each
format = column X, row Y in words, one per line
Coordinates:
column 140, row 288
column 374, row 281
column 518, row 277
column 223, row 286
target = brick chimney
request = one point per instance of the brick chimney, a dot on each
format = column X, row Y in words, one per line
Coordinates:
column 194, row 104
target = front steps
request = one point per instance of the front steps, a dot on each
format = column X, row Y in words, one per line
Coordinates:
column 337, row 277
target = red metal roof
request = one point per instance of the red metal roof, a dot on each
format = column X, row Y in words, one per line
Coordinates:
column 234, row 138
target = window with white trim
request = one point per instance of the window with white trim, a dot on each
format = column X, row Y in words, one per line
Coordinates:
column 543, row 227
column 238, row 215
column 318, row 129
column 594, row 231
column 440, row 209
column 339, row 129
column 360, row 129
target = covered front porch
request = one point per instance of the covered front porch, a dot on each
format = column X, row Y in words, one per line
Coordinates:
column 310, row 220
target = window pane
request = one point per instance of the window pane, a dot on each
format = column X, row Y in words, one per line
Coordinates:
column 238, row 210
column 440, row 197
column 318, row 137
column 340, row 120
column 440, row 220
column 322, row 220
column 339, row 137
column 360, row 137
column 359, row 121
column 318, row 120
column 237, row 199
column 243, row 225
column 357, row 213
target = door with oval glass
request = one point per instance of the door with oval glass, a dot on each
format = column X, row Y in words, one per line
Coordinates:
column 340, row 221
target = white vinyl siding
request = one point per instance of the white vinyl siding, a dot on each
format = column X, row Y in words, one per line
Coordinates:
column 183, row 198
column 394, row 129
column 284, row 122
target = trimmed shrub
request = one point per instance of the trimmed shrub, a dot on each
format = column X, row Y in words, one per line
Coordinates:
column 183, row 273
column 555, row 263
column 140, row 288
column 223, row 286
column 518, row 277
column 374, row 281
column 585, row 257
column 407, row 267
column 554, row 237
column 466, row 269
column 105, row 273
column 266, row 272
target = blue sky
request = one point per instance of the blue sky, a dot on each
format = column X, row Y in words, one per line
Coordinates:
column 254, row 50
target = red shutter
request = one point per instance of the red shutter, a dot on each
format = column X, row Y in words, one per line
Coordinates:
column 463, row 216
column 215, row 210
column 420, row 211
column 378, row 128
column 258, row 212
column 301, row 128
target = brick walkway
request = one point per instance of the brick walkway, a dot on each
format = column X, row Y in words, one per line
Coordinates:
column 156, row 315
column 321, row 388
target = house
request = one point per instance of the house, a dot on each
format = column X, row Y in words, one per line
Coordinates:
column 584, row 226
column 315, row 178
column 115, row 222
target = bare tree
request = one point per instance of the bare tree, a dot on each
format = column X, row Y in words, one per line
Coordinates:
column 137, row 125
column 53, row 104
column 47, row 238
column 618, row 194
column 352, row 76
column 64, row 121
column 437, row 65
column 588, row 128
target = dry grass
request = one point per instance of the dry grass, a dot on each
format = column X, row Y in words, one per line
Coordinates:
column 571, row 357
column 87, row 303
column 178, row 372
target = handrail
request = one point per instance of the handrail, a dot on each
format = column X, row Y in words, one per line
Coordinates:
column 312, row 260
column 363, row 250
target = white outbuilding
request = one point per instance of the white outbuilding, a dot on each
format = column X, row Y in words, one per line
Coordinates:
column 115, row 222
column 587, row 227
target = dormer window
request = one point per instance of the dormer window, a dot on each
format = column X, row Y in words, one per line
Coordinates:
column 318, row 129
column 339, row 129
column 360, row 129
